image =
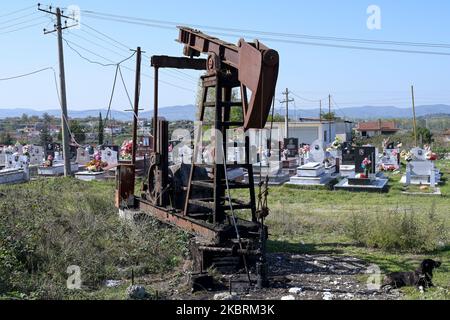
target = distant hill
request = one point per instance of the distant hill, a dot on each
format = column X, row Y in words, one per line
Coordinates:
column 188, row 112
column 175, row 113
column 371, row 112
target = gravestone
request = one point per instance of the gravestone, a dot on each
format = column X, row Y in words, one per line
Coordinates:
column 83, row 157
column 16, row 169
column 390, row 159
column 18, row 148
column 368, row 184
column 419, row 154
column 348, row 155
column 362, row 153
column 2, row 156
column 37, row 155
column 313, row 172
column 51, row 148
column 110, row 156
column 291, row 145
column 420, row 170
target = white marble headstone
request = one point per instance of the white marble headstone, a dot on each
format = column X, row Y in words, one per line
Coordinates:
column 390, row 157
column 37, row 155
column 419, row 154
column 83, row 156
column 18, row 148
column 2, row 156
column 317, row 154
column 110, row 156
column 421, row 168
column 16, row 161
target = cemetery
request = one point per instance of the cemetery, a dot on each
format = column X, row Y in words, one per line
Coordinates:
column 309, row 214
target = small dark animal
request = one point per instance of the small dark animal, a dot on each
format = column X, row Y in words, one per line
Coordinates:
column 422, row 277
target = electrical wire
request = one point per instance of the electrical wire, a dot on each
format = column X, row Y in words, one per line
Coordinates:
column 23, row 28
column 19, row 18
column 23, row 22
column 163, row 23
column 26, row 74
column 17, row 11
column 69, row 42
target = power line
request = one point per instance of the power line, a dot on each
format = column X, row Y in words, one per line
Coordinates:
column 68, row 42
column 19, row 18
column 96, row 44
column 23, row 28
column 17, row 11
column 153, row 22
column 306, row 99
column 23, row 22
column 26, row 74
column 124, row 46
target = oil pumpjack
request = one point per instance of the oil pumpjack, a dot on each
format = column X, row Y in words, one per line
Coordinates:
column 196, row 196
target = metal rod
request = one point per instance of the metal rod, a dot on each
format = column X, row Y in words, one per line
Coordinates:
column 136, row 104
column 155, row 111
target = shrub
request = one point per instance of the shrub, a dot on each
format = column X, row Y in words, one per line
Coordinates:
column 402, row 230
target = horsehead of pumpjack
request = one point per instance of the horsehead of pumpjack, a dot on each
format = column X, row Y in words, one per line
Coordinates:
column 255, row 65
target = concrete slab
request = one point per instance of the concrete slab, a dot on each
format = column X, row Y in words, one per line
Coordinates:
column 378, row 185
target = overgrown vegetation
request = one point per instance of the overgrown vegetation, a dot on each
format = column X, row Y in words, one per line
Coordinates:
column 48, row 225
column 404, row 231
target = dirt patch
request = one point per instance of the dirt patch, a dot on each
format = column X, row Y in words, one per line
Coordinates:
column 302, row 277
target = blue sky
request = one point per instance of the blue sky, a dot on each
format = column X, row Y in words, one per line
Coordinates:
column 353, row 77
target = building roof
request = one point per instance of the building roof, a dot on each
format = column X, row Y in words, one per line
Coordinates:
column 377, row 126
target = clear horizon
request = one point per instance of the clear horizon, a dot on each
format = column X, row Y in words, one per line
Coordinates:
column 354, row 77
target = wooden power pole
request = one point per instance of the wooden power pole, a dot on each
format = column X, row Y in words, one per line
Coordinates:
column 62, row 81
column 329, row 118
column 320, row 111
column 414, row 116
column 287, row 101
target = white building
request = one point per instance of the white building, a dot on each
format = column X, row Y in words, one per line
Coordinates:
column 309, row 130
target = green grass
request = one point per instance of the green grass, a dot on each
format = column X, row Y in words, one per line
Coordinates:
column 315, row 221
column 50, row 224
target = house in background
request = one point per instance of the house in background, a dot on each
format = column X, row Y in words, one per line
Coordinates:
column 309, row 130
column 376, row 128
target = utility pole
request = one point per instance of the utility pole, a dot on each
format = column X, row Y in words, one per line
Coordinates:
column 287, row 101
column 320, row 111
column 329, row 118
column 414, row 115
column 136, row 102
column 62, row 80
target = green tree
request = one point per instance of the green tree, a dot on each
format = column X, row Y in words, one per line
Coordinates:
column 78, row 131
column 6, row 139
column 424, row 135
column 330, row 116
column 276, row 118
column 45, row 137
column 101, row 129
column 24, row 119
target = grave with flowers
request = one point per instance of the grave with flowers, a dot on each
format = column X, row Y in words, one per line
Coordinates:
column 314, row 172
column 53, row 166
column 96, row 169
column 420, row 168
column 366, row 178
column 16, row 169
